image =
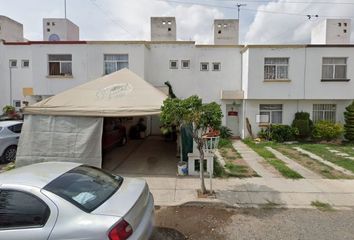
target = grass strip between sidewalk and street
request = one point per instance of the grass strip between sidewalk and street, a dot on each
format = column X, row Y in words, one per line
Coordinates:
column 271, row 159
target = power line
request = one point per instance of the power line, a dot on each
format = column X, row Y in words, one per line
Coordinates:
column 255, row 10
column 290, row 2
column 109, row 16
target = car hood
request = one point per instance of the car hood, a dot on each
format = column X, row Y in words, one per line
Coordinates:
column 129, row 201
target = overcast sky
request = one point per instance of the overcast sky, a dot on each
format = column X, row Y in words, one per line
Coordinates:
column 262, row 21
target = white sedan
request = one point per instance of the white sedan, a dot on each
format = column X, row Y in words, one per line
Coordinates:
column 9, row 134
column 52, row 201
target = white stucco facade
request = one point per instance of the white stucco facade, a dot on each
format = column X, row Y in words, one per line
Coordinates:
column 234, row 76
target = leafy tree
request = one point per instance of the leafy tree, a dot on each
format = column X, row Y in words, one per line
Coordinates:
column 192, row 111
column 349, row 122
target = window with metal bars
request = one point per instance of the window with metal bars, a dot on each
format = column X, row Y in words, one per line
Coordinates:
column 273, row 111
column 276, row 68
column 324, row 112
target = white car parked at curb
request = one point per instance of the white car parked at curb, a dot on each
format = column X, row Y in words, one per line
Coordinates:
column 9, row 135
column 66, row 201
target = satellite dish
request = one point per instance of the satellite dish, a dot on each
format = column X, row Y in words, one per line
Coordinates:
column 54, row 37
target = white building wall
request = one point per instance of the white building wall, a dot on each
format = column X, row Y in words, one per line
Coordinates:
column 20, row 77
column 193, row 81
column 314, row 88
column 97, row 50
column 258, row 88
column 44, row 84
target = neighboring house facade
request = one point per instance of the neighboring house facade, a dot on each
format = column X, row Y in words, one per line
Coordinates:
column 263, row 83
column 279, row 81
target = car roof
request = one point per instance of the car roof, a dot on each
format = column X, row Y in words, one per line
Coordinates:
column 36, row 175
column 9, row 123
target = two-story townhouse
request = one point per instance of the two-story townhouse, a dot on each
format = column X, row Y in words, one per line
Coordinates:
column 281, row 80
column 209, row 71
column 261, row 83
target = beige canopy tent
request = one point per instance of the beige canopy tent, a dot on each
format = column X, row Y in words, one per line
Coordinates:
column 68, row 126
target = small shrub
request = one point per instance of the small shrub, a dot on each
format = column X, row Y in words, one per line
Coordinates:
column 279, row 133
column 264, row 133
column 225, row 132
column 223, row 142
column 8, row 109
column 328, row 131
column 303, row 123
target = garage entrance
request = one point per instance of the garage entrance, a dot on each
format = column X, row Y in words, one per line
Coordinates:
column 152, row 156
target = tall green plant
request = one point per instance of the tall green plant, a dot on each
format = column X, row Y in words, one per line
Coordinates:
column 192, row 111
column 303, row 123
column 349, row 122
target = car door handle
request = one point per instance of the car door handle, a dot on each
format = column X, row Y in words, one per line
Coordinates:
column 17, row 137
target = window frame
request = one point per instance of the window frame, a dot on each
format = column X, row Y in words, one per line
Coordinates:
column 23, row 63
column 48, row 210
column 276, row 65
column 320, row 114
column 11, row 61
column 270, row 111
column 201, row 66
column 333, row 65
column 183, row 61
column 216, row 63
column 60, row 65
column 114, row 61
column 173, row 61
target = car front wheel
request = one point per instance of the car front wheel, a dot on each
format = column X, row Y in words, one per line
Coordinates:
column 9, row 154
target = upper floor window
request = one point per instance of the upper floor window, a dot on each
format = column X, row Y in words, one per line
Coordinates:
column 276, row 68
column 273, row 111
column 60, row 65
column 324, row 112
column 25, row 63
column 204, row 66
column 334, row 68
column 173, row 64
column 13, row 63
column 115, row 62
column 185, row 64
column 216, row 66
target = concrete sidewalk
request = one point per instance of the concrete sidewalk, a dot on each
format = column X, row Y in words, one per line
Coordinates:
column 254, row 192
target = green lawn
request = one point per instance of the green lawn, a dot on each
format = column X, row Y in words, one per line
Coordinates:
column 322, row 151
column 313, row 165
column 271, row 159
column 235, row 166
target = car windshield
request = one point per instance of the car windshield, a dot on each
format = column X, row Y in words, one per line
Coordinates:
column 86, row 187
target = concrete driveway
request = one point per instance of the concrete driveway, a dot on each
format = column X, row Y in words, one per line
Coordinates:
column 148, row 157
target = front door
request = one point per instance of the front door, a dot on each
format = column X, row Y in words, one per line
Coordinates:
column 232, row 119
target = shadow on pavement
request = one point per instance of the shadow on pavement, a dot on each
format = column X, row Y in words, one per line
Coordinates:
column 166, row 234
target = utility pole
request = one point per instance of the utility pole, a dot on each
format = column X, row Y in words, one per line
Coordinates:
column 65, row 8
column 239, row 5
column 10, row 69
